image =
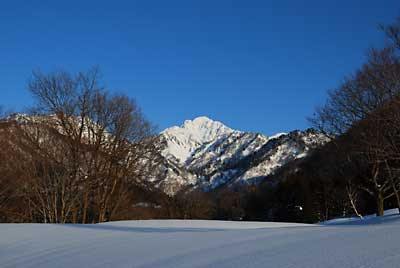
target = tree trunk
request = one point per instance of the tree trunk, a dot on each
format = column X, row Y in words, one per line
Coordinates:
column 395, row 190
column 396, row 193
column 85, row 208
column 102, row 213
column 353, row 203
column 75, row 216
column 380, row 210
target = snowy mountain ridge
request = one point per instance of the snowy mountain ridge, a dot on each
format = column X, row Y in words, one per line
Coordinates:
column 206, row 154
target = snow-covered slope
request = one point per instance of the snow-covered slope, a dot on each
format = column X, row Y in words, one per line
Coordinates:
column 207, row 154
column 250, row 157
column 172, row 243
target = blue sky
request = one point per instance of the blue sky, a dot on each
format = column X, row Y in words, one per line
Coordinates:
column 258, row 66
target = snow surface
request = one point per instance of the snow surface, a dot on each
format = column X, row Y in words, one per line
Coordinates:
column 174, row 243
column 364, row 220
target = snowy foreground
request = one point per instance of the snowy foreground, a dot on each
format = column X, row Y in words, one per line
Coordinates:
column 372, row 242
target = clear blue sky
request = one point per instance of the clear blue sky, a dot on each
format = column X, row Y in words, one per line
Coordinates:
column 255, row 65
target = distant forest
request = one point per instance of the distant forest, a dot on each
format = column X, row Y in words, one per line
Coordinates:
column 76, row 157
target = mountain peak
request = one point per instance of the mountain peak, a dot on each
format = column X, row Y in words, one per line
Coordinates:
column 184, row 140
column 203, row 127
column 204, row 123
column 201, row 119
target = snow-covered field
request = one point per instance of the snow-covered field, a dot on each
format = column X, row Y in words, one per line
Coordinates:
column 372, row 242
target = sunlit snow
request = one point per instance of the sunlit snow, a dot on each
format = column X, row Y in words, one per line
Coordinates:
column 372, row 242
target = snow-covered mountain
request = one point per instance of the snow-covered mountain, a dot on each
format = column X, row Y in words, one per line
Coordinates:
column 206, row 154
column 184, row 140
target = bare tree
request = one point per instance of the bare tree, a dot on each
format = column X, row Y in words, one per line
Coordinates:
column 369, row 148
column 376, row 83
column 393, row 33
column 86, row 175
column 355, row 108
